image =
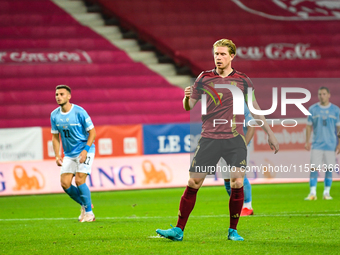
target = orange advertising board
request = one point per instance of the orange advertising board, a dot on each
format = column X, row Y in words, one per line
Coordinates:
column 123, row 140
column 111, row 141
column 47, row 144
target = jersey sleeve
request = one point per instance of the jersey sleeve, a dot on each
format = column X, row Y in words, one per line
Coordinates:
column 338, row 118
column 310, row 117
column 54, row 129
column 249, row 84
column 86, row 120
column 196, row 91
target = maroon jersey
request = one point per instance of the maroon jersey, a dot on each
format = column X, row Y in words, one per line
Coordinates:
column 206, row 82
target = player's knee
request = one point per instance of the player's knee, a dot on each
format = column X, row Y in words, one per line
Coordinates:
column 194, row 183
column 79, row 181
column 80, row 178
column 236, row 183
column 64, row 184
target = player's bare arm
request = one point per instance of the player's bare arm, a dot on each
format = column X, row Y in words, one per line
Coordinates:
column 272, row 141
column 56, row 148
column 337, row 149
column 188, row 102
column 92, row 136
column 308, row 133
column 249, row 134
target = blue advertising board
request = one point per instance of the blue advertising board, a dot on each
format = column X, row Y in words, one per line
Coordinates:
column 171, row 138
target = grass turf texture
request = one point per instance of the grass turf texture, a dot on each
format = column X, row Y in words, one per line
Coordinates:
column 126, row 222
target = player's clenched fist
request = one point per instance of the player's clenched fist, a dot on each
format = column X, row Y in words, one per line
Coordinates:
column 187, row 92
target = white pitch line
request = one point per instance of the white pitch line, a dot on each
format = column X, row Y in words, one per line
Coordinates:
column 193, row 216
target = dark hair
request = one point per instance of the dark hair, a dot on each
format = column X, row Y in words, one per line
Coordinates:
column 63, row 87
column 325, row 89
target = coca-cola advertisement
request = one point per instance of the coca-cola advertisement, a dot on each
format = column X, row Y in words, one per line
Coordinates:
column 278, row 51
column 26, row 57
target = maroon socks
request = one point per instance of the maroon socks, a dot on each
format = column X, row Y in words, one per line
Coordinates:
column 235, row 206
column 186, row 205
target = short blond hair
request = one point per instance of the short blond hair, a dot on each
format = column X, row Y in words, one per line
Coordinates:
column 226, row 43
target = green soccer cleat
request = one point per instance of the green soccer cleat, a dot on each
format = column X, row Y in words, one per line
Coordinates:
column 174, row 234
column 233, row 235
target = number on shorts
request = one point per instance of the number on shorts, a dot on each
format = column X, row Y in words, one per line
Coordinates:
column 87, row 161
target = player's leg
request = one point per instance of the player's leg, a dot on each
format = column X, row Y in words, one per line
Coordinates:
column 83, row 171
column 316, row 161
column 188, row 200
column 227, row 186
column 71, row 190
column 330, row 161
column 67, row 172
column 236, row 155
column 225, row 174
column 247, row 207
column 206, row 155
column 328, row 184
column 235, row 203
column 186, row 205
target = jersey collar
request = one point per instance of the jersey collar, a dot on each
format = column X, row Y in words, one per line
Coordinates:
column 325, row 107
column 64, row 113
column 232, row 73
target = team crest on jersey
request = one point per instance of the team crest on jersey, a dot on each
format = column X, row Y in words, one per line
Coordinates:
column 234, row 83
column 67, row 119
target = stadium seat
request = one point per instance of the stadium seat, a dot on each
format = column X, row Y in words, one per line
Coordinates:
column 43, row 46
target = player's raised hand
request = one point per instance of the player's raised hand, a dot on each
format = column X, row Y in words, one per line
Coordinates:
column 187, row 92
column 273, row 143
column 59, row 161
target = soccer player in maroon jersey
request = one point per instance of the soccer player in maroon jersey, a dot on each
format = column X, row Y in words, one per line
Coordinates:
column 221, row 140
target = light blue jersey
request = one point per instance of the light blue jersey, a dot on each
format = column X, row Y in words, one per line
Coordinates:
column 247, row 117
column 73, row 127
column 324, row 120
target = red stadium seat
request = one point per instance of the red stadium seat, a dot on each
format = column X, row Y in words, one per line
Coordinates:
column 42, row 46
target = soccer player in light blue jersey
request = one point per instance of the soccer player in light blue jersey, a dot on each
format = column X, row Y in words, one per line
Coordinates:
column 249, row 133
column 325, row 122
column 75, row 127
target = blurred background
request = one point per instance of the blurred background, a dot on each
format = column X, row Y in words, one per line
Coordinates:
column 128, row 61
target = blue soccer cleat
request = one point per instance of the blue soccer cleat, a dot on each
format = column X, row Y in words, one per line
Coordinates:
column 174, row 234
column 233, row 235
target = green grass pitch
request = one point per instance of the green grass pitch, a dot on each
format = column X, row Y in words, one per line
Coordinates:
column 126, row 222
